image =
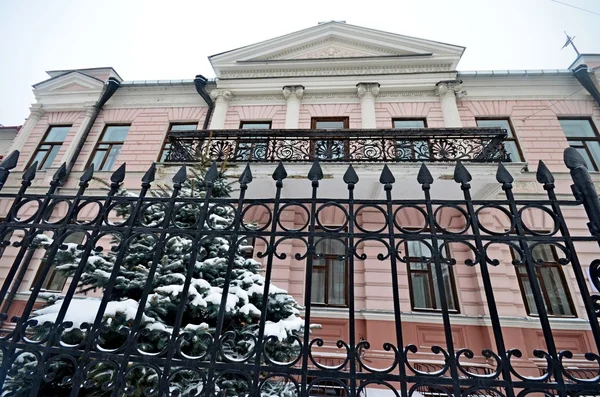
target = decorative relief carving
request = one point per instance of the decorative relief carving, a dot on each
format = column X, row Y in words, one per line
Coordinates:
column 450, row 87
column 334, row 95
column 335, row 71
column 332, row 52
column 239, row 98
column 332, row 41
column 36, row 113
column 526, row 187
column 394, row 94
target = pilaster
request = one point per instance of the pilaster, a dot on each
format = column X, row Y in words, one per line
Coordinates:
column 367, row 93
column 448, row 91
column 293, row 95
column 221, row 99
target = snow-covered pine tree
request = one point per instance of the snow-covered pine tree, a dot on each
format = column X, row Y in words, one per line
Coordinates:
column 201, row 306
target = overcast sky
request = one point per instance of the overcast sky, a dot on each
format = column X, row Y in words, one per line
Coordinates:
column 171, row 39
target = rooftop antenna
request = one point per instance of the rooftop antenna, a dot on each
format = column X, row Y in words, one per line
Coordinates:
column 570, row 42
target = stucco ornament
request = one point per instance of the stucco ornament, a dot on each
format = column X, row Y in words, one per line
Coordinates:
column 293, row 91
column 363, row 89
column 447, row 87
column 221, row 95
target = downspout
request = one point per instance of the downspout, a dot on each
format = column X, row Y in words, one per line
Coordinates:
column 109, row 89
column 583, row 76
column 200, row 84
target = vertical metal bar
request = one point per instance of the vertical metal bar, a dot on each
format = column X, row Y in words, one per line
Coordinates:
column 545, row 177
column 387, row 179
column 314, row 175
column 489, row 291
column 435, row 252
column 535, row 286
column 351, row 179
column 279, row 175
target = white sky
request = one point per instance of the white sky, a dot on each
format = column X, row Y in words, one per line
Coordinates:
column 171, row 39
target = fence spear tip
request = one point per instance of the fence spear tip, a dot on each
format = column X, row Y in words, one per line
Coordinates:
column 150, row 174
column 424, row 176
column 88, row 174
column 60, row 173
column 280, row 173
column 10, row 161
column 543, row 174
column 350, row 176
column 246, row 176
column 180, row 176
column 386, row 177
column 212, row 174
column 502, row 174
column 119, row 175
column 315, row 173
column 29, row 175
column 461, row 174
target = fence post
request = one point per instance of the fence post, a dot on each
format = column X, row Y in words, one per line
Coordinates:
column 584, row 189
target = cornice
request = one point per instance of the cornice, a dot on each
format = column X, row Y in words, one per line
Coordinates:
column 331, row 40
column 335, row 71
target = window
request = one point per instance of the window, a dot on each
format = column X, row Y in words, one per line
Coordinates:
column 422, row 278
column 511, row 144
column 50, row 145
column 167, row 145
column 108, row 147
column 329, row 273
column 330, row 149
column 582, row 135
column 552, row 283
column 413, row 149
column 252, row 149
column 55, row 281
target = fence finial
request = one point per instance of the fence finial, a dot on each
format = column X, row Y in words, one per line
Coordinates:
column 315, row 173
column 87, row 175
column 60, row 174
column 280, row 173
column 386, row 177
column 503, row 176
column 212, row 174
column 180, row 176
column 543, row 174
column 573, row 159
column 149, row 176
column 350, row 176
column 10, row 161
column 424, row 176
column 461, row 174
column 119, row 175
column 29, row 175
column 246, row 176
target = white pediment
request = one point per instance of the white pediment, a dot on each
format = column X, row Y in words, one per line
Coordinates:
column 342, row 45
column 69, row 82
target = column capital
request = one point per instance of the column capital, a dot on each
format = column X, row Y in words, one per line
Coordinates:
column 89, row 110
column 446, row 87
column 293, row 91
column 36, row 112
column 371, row 89
column 221, row 95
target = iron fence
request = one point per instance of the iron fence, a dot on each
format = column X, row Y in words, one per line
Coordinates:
column 406, row 145
column 41, row 358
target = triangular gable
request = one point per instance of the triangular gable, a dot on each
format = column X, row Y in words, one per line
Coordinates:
column 336, row 42
column 70, row 81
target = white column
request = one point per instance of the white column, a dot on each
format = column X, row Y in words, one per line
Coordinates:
column 293, row 95
column 19, row 141
column 72, row 147
column 447, row 91
column 221, row 98
column 367, row 93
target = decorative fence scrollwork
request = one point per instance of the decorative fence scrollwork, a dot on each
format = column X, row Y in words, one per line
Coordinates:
column 76, row 352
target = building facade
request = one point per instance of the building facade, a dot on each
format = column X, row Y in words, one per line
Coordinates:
column 350, row 95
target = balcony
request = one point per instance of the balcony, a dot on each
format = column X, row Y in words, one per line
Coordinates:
column 436, row 145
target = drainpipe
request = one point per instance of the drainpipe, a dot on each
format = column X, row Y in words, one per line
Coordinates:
column 583, row 76
column 109, row 89
column 200, row 84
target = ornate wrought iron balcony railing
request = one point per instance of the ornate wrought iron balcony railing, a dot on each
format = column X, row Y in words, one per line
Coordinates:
column 406, row 145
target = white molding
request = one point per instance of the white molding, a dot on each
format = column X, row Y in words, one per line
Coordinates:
column 155, row 96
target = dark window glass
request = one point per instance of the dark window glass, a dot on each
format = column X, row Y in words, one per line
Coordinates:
column 108, row 147
column 329, row 273
column 552, row 283
column 55, row 280
column 330, row 149
column 411, row 149
column 50, row 146
column 510, row 144
column 167, row 145
column 423, row 278
column 252, row 149
column 582, row 136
